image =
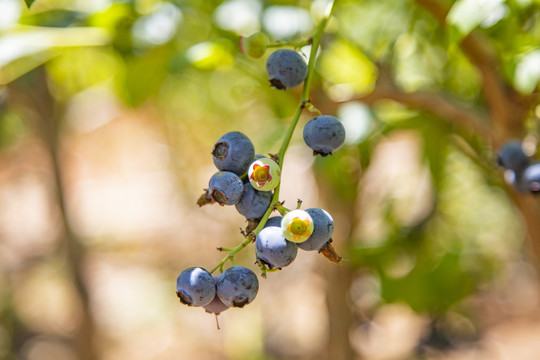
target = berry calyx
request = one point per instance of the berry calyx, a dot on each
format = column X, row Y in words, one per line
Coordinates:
column 297, row 226
column 261, row 174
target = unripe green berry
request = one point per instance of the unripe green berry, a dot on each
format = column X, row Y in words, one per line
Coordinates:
column 264, row 174
column 255, row 44
column 297, row 226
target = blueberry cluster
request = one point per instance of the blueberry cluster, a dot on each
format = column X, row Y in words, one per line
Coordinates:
column 520, row 171
column 251, row 182
column 235, row 287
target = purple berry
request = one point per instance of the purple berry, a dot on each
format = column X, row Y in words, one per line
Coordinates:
column 286, row 69
column 323, row 229
column 324, row 134
column 195, row 286
column 254, row 203
column 237, row 286
column 226, row 188
column 233, row 152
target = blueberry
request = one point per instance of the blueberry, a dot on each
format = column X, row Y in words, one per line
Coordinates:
column 254, row 203
column 237, row 286
column 274, row 221
column 512, row 156
column 324, row 134
column 195, row 286
column 286, row 69
column 273, row 249
column 297, row 225
column 531, row 178
column 226, row 188
column 216, row 306
column 323, row 229
column 233, row 152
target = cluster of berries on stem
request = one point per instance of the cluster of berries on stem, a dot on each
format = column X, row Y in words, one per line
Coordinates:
column 251, row 183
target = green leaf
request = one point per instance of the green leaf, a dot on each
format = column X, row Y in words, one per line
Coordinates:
column 29, row 3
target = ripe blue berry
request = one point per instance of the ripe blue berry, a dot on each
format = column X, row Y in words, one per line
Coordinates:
column 286, row 69
column 512, row 156
column 237, row 286
column 233, row 152
column 531, row 178
column 216, row 306
column 273, row 249
column 274, row 221
column 226, row 188
column 297, row 225
column 195, row 286
column 324, row 134
column 323, row 229
column 254, row 203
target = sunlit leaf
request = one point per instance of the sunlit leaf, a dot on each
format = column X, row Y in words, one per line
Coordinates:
column 465, row 15
column 527, row 73
column 347, row 70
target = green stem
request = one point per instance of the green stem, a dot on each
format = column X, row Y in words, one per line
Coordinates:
column 284, row 145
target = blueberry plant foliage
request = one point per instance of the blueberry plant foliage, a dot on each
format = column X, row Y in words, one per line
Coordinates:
column 252, row 183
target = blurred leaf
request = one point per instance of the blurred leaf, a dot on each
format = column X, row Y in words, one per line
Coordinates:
column 54, row 18
column 342, row 64
column 78, row 69
column 429, row 287
column 144, row 75
column 38, row 41
column 210, row 55
column 465, row 15
column 527, row 74
column 29, row 2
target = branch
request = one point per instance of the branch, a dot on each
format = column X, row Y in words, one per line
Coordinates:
column 442, row 106
column 507, row 107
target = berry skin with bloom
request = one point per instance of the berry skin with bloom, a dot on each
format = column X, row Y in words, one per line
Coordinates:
column 254, row 203
column 226, row 188
column 323, row 229
column 233, row 152
column 286, row 69
column 297, row 226
column 274, row 221
column 273, row 249
column 324, row 134
column 264, row 174
column 195, row 286
column 237, row 286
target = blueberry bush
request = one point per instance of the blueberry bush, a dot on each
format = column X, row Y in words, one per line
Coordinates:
column 397, row 139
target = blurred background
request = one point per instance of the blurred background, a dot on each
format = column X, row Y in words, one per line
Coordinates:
column 108, row 114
